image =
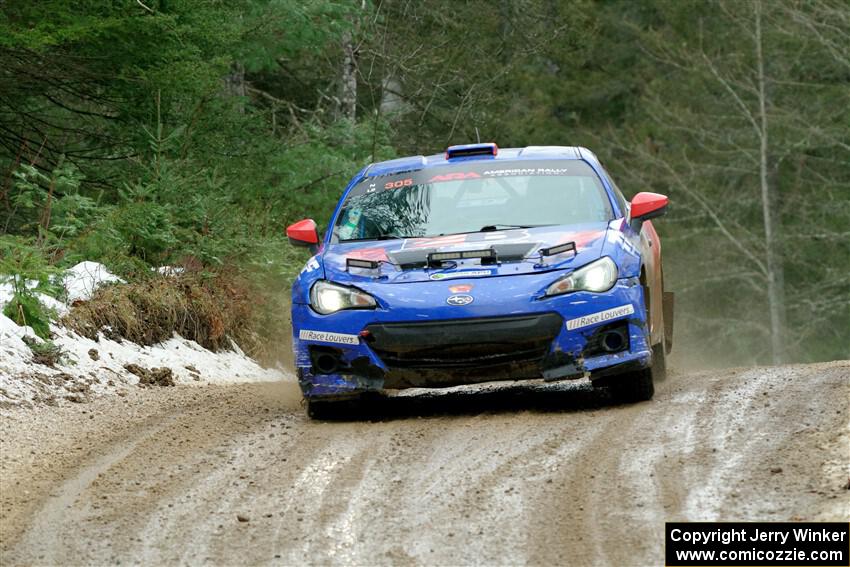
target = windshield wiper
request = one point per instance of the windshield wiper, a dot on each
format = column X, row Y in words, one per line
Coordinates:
column 487, row 228
column 492, row 227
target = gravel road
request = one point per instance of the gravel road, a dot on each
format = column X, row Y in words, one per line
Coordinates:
column 238, row 474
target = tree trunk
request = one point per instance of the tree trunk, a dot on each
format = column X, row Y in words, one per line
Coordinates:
column 348, row 73
column 774, row 265
column 348, row 78
column 234, row 82
column 48, row 208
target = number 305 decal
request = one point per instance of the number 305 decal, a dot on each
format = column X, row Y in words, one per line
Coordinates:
column 400, row 183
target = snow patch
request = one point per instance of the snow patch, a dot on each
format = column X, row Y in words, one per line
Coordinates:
column 94, row 367
column 14, row 353
column 169, row 270
column 7, row 291
column 82, row 280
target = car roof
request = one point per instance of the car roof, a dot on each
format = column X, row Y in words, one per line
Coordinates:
column 413, row 163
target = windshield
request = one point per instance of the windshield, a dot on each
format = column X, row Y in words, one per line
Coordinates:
column 473, row 197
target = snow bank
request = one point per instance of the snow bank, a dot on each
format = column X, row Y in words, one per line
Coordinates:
column 81, row 281
column 90, row 368
column 14, row 353
column 7, row 291
column 78, row 282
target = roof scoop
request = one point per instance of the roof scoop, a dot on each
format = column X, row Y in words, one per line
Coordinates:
column 469, row 150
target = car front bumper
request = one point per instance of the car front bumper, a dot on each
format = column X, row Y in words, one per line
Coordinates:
column 559, row 338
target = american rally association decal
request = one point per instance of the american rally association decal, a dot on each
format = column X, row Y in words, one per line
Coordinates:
column 600, row 317
column 464, row 274
column 324, row 337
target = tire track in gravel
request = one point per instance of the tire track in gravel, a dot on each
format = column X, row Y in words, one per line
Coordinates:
column 718, row 424
column 548, row 476
column 193, row 495
column 61, row 508
column 709, row 438
column 575, row 514
column 326, row 491
column 136, row 476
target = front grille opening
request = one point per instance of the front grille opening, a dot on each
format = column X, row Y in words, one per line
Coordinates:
column 431, row 353
column 466, row 355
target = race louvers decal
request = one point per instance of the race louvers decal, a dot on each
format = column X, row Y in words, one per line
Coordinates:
column 324, row 337
column 600, row 317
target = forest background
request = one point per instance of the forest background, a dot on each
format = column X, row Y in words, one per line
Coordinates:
column 189, row 133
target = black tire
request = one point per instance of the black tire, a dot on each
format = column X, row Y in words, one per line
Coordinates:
column 632, row 387
column 639, row 386
column 319, row 410
column 324, row 410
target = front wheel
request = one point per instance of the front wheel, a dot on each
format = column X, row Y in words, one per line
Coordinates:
column 326, row 410
column 318, row 410
column 633, row 387
column 639, row 386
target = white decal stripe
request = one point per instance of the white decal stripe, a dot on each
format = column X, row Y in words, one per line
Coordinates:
column 325, row 337
column 600, row 317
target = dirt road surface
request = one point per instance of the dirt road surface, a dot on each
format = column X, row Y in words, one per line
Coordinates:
column 239, row 475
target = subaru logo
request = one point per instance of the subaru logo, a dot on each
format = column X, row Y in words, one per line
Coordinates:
column 459, row 299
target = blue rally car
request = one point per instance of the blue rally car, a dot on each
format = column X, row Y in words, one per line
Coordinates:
column 479, row 265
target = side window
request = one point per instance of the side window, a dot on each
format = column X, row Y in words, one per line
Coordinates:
column 618, row 196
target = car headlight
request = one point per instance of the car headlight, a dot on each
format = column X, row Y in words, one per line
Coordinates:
column 327, row 298
column 597, row 276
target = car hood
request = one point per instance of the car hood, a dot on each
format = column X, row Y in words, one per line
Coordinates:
column 519, row 251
